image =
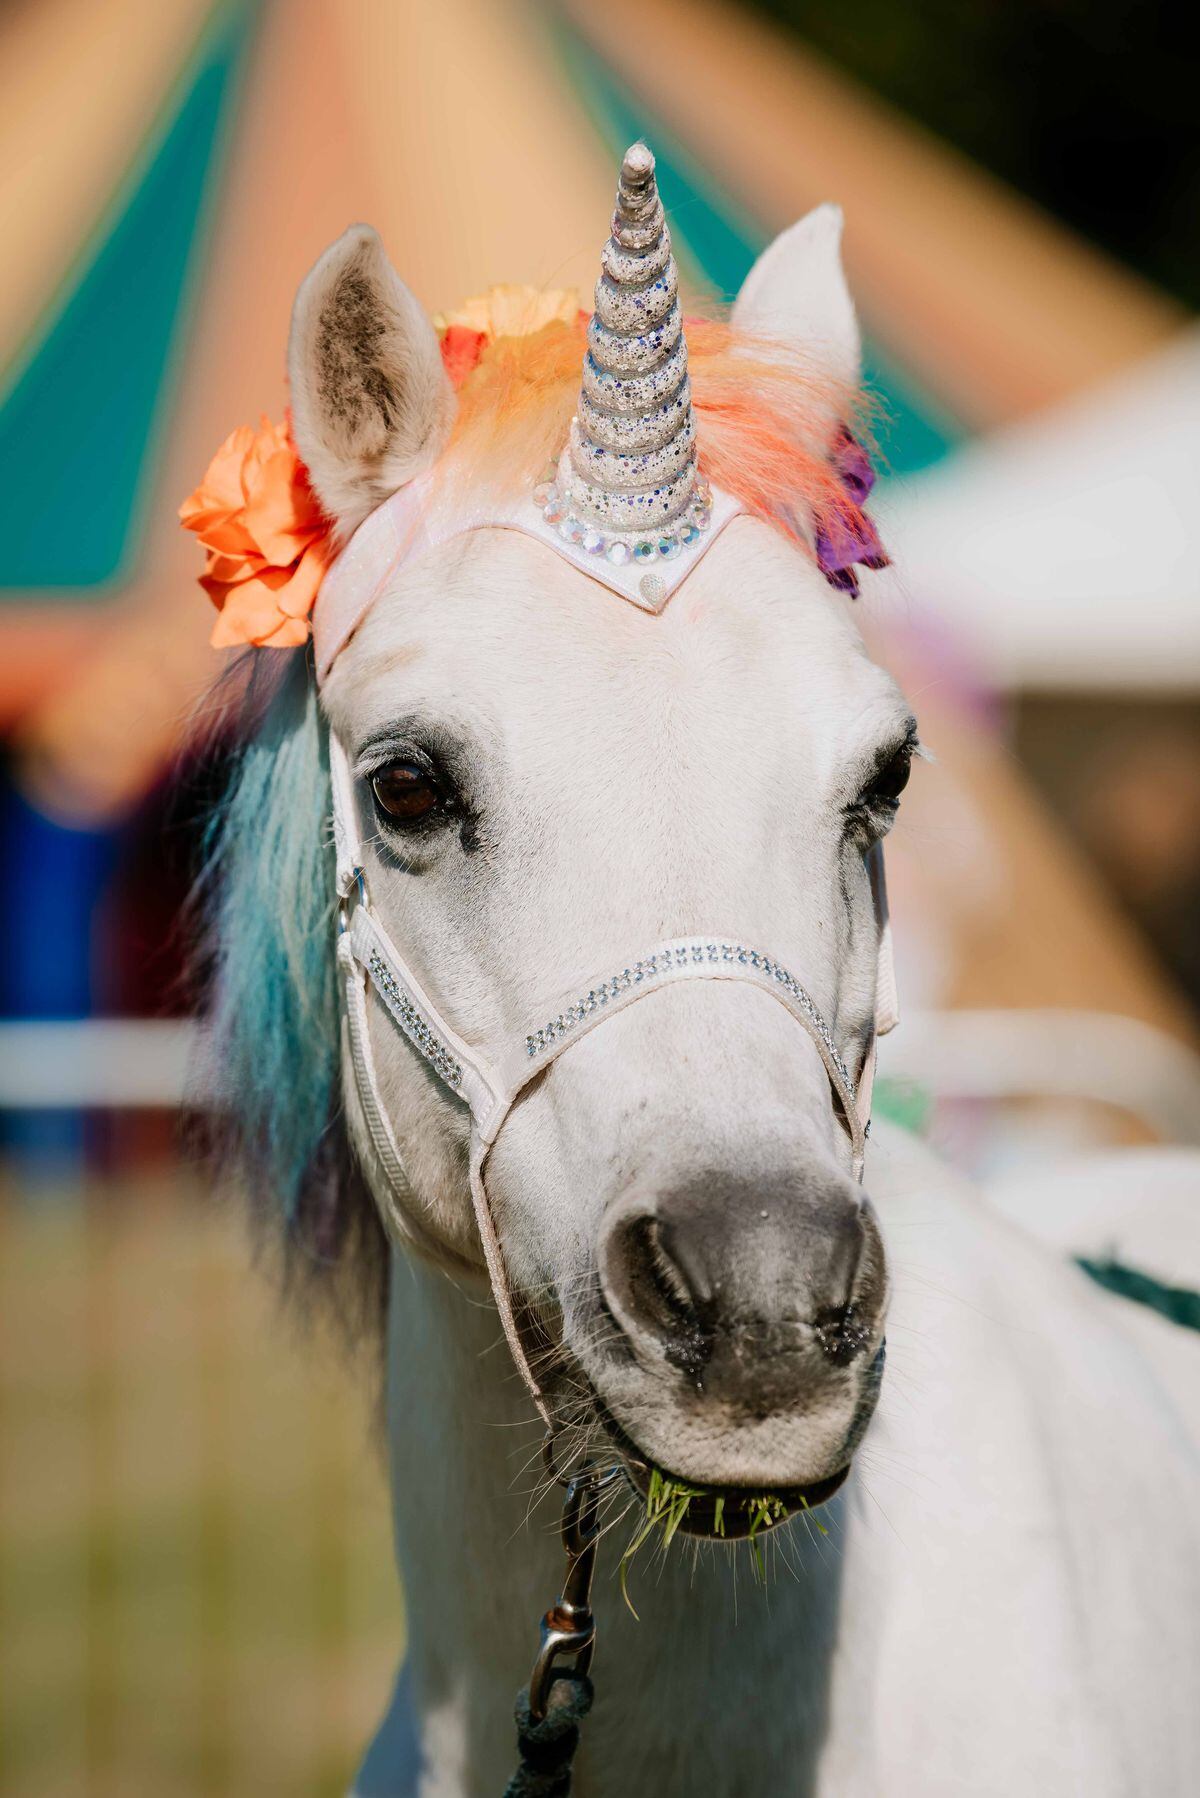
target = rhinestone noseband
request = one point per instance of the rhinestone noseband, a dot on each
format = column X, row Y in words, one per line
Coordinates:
column 699, row 956
column 491, row 1087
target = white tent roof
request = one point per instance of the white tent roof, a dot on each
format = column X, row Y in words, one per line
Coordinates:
column 1065, row 551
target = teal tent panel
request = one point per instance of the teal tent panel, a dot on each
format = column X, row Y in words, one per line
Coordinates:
column 79, row 427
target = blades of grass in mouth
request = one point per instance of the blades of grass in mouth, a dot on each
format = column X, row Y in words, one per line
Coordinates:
column 667, row 1505
column 765, row 1511
column 812, row 1516
column 679, row 1507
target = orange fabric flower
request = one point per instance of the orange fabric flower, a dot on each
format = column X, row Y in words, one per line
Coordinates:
column 268, row 542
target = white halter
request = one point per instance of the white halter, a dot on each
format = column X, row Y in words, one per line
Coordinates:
column 489, row 1084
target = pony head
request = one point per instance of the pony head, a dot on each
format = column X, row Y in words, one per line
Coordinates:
column 542, row 778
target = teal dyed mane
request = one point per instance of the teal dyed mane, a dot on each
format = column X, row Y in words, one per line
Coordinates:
column 268, row 895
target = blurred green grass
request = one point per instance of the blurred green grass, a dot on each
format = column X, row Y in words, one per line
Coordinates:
column 197, row 1594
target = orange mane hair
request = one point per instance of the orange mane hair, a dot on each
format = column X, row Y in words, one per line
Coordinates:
column 766, row 418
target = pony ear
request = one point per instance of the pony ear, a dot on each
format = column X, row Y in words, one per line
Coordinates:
column 371, row 402
column 797, row 291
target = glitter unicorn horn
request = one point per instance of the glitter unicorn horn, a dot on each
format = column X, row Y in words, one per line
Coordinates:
column 628, row 480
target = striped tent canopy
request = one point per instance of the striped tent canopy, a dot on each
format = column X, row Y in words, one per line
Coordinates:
column 204, row 153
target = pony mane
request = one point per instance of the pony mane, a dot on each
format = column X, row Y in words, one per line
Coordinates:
column 766, row 416
column 266, row 900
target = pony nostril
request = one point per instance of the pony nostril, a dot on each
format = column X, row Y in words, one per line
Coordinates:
column 652, row 1289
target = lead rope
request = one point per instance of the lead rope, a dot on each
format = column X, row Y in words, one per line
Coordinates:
column 550, row 1709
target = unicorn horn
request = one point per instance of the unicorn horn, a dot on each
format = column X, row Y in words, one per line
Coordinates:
column 628, row 474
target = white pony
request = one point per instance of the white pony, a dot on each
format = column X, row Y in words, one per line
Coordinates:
column 541, row 783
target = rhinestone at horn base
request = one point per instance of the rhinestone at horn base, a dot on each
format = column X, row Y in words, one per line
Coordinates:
column 623, row 548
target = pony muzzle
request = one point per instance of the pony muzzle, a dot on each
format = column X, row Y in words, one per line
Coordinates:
column 745, row 1319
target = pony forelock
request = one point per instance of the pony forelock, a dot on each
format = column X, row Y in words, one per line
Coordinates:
column 766, row 416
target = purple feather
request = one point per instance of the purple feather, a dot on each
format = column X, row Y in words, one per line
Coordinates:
column 849, row 538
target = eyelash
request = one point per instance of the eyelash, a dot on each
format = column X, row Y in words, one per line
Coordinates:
column 876, row 812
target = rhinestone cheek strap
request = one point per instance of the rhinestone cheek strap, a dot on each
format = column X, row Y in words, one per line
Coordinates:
column 368, row 958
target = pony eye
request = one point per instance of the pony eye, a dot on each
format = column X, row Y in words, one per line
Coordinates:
column 407, row 794
column 873, row 812
column 891, row 780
